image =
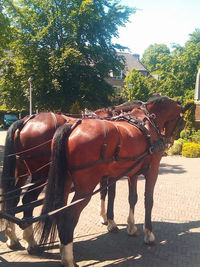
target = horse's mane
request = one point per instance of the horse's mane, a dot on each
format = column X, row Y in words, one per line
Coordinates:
column 157, row 99
column 130, row 103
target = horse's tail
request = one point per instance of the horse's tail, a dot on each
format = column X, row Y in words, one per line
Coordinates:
column 7, row 180
column 56, row 187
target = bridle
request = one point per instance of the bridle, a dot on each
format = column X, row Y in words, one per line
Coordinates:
column 151, row 117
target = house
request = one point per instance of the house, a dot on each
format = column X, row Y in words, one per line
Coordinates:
column 130, row 61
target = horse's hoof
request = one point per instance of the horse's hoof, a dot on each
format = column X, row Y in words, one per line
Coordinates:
column 34, row 250
column 103, row 220
column 15, row 246
column 75, row 265
column 132, row 230
column 104, row 223
column 135, row 234
column 113, row 230
column 151, row 243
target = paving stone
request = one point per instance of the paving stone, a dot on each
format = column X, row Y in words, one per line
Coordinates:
column 176, row 224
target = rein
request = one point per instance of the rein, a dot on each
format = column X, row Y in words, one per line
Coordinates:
column 23, row 223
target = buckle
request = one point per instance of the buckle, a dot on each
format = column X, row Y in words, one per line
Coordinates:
column 153, row 116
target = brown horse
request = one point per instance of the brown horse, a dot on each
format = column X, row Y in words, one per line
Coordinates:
column 27, row 153
column 85, row 151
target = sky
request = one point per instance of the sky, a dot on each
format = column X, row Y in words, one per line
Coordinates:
column 159, row 21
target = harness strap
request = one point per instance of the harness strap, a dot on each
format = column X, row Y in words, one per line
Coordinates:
column 151, row 117
column 26, row 222
column 55, row 120
column 117, row 150
column 29, row 118
column 140, row 124
column 33, row 156
column 103, row 149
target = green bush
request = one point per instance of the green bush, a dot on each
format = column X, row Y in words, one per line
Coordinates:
column 75, row 108
column 191, row 150
column 182, row 141
column 195, row 137
column 185, row 134
column 189, row 116
column 176, row 148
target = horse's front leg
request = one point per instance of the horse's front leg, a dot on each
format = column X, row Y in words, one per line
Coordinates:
column 112, row 226
column 133, row 197
column 103, row 193
column 151, row 178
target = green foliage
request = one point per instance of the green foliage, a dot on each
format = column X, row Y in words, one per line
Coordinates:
column 185, row 134
column 136, row 86
column 195, row 137
column 189, row 116
column 75, row 108
column 177, row 69
column 156, row 56
column 4, row 31
column 191, row 150
column 66, row 46
column 176, row 148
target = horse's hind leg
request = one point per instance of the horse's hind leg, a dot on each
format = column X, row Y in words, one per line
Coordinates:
column 12, row 240
column 151, row 178
column 31, row 195
column 66, row 224
column 103, row 193
column 131, row 228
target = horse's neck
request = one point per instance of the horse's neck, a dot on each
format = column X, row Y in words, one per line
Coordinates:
column 138, row 113
column 103, row 113
column 160, row 116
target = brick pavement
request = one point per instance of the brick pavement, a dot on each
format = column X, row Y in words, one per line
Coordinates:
column 176, row 224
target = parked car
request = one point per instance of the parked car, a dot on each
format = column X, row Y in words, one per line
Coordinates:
column 9, row 119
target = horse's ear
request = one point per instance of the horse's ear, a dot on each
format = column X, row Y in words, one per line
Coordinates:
column 187, row 106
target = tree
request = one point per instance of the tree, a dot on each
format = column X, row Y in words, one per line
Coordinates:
column 136, row 87
column 4, row 31
column 66, row 46
column 156, row 57
column 177, row 69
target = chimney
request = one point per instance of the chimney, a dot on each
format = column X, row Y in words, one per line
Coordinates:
column 136, row 56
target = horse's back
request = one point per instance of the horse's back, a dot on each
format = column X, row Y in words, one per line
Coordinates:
column 97, row 139
column 38, row 129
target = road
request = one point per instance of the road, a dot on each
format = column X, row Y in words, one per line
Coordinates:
column 176, row 225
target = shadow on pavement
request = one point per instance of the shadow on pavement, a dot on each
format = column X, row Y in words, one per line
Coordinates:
column 176, row 242
column 170, row 168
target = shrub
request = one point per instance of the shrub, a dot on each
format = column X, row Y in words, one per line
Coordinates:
column 190, row 115
column 182, row 141
column 176, row 148
column 195, row 137
column 191, row 150
column 75, row 108
column 185, row 134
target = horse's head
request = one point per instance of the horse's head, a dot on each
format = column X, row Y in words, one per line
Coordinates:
column 169, row 115
column 174, row 126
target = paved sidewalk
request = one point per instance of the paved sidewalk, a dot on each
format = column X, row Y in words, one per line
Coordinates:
column 176, row 225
